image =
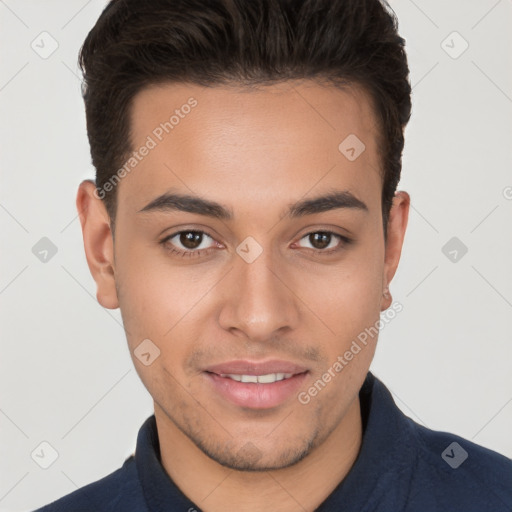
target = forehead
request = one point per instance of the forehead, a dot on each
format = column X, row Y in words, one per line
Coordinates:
column 265, row 144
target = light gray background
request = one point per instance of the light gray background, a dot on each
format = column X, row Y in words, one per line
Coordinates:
column 66, row 375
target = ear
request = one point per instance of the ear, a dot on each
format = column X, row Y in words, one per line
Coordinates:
column 98, row 243
column 397, row 224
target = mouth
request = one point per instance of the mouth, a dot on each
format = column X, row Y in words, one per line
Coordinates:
column 256, row 385
column 269, row 378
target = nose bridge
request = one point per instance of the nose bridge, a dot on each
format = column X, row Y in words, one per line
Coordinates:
column 259, row 303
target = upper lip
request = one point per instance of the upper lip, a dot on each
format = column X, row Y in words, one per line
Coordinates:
column 244, row 367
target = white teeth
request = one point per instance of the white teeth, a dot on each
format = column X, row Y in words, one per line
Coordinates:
column 271, row 377
column 261, row 379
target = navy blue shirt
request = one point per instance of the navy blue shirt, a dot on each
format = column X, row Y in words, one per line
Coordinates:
column 401, row 467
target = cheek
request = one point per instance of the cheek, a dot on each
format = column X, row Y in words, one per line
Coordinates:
column 346, row 298
column 145, row 295
column 154, row 306
column 161, row 301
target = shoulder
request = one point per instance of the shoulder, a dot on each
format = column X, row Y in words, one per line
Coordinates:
column 451, row 471
column 118, row 491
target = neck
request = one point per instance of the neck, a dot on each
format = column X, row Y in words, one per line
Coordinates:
column 303, row 486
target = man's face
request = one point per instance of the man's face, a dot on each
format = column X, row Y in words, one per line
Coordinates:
column 262, row 285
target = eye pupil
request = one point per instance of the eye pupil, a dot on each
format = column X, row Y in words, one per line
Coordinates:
column 189, row 239
column 322, row 238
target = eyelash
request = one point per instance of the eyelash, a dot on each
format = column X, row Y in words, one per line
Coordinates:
column 197, row 253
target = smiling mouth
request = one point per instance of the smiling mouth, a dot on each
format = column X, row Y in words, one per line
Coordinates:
column 269, row 378
column 250, row 391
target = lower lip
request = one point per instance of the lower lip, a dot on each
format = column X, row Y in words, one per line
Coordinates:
column 255, row 395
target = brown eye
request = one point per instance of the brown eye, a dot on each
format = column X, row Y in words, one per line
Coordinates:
column 188, row 243
column 190, row 239
column 320, row 240
column 323, row 240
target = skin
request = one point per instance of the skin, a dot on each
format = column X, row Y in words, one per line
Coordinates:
column 254, row 151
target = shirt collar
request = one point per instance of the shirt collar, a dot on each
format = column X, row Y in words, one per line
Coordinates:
column 384, row 450
column 386, row 455
column 160, row 492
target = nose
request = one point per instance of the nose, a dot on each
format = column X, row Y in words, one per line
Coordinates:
column 259, row 300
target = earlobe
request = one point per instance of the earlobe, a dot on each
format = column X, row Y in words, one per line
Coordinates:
column 98, row 243
column 397, row 225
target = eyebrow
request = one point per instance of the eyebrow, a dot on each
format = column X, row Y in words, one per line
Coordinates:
column 195, row 204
